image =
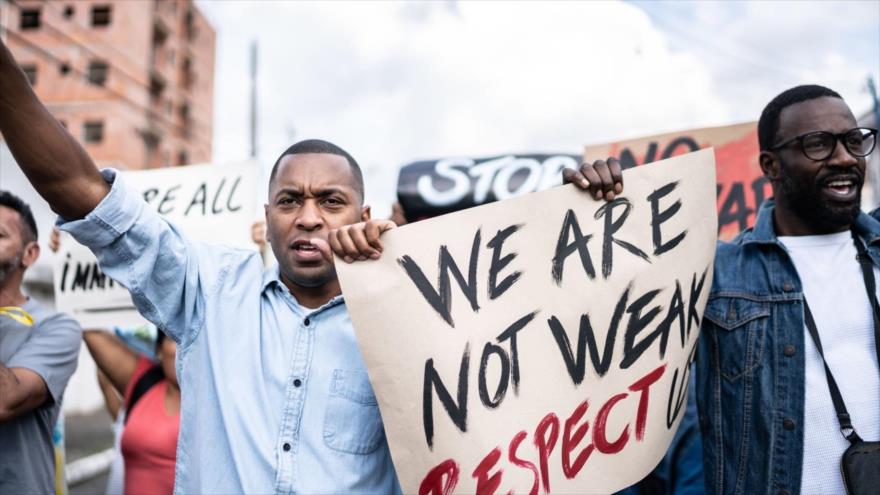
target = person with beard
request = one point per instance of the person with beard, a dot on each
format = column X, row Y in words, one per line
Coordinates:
column 787, row 364
column 38, row 355
column 275, row 394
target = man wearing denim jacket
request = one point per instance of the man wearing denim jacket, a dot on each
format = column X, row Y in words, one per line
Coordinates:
column 766, row 414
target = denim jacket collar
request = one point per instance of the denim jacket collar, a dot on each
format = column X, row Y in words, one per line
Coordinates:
column 764, row 231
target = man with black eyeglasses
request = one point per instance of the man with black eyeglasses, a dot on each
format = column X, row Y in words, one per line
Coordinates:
column 788, row 383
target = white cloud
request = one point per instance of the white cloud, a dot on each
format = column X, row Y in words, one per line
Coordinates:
column 394, row 82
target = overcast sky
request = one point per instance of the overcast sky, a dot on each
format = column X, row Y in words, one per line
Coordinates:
column 394, row 82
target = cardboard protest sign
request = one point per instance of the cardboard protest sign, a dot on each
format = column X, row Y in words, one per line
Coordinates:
column 539, row 344
column 430, row 188
column 741, row 184
column 212, row 203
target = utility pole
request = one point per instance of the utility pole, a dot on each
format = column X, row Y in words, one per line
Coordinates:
column 874, row 159
column 253, row 122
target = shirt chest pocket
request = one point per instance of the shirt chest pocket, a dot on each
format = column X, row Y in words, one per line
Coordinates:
column 738, row 331
column 352, row 422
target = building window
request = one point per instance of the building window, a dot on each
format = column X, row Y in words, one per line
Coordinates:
column 97, row 74
column 182, row 157
column 93, row 131
column 64, row 68
column 101, row 15
column 189, row 25
column 68, row 12
column 30, row 70
column 30, row 19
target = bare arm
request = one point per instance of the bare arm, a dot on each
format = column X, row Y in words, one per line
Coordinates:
column 21, row 391
column 112, row 398
column 112, row 356
column 56, row 165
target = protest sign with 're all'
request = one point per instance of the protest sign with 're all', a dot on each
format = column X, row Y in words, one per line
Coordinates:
column 210, row 203
column 539, row 344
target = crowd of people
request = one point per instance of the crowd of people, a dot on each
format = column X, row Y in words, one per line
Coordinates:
column 269, row 392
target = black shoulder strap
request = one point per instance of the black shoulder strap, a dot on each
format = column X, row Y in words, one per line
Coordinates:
column 867, row 266
column 153, row 376
column 846, row 427
column 870, row 284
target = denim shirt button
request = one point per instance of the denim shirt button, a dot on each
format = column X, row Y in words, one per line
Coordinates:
column 286, row 447
column 788, row 287
column 789, row 350
column 788, row 424
column 306, row 322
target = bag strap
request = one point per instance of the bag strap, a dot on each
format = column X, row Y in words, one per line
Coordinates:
column 846, row 427
column 146, row 381
column 867, row 266
column 870, row 284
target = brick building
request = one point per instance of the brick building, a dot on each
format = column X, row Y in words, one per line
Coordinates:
column 132, row 80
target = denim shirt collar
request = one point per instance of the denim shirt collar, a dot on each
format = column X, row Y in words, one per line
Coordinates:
column 764, row 232
column 272, row 279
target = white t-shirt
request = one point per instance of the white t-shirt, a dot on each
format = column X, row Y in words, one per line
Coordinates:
column 834, row 288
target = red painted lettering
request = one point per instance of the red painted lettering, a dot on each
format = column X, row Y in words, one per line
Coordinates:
column 643, row 385
column 599, row 437
column 569, row 442
column 516, row 461
column 486, row 485
column 441, row 480
column 545, row 445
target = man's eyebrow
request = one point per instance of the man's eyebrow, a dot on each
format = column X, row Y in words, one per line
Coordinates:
column 327, row 191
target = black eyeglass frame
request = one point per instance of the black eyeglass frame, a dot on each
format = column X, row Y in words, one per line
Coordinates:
column 837, row 137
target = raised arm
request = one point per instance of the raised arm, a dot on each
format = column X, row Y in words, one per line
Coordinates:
column 112, row 356
column 56, row 165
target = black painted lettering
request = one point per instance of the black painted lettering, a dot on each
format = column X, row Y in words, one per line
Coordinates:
column 499, row 262
column 168, row 199
column 229, row 206
column 734, row 209
column 199, row 198
column 214, row 209
column 576, row 366
column 150, row 194
column 658, row 217
column 686, row 141
column 81, row 276
column 564, row 248
column 510, row 333
column 637, row 323
column 457, row 410
column 488, row 350
column 64, row 271
column 696, row 290
column 612, row 225
column 441, row 298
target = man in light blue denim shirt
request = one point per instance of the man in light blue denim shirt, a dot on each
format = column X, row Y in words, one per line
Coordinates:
column 276, row 398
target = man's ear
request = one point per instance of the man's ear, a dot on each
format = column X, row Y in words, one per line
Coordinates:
column 30, row 254
column 365, row 213
column 266, row 216
column 770, row 165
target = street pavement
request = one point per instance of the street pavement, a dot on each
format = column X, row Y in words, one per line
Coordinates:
column 86, row 435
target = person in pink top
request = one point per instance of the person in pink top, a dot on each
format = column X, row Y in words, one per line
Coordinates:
column 152, row 403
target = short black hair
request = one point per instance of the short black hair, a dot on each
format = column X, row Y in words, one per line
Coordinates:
column 28, row 224
column 321, row 146
column 768, row 124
